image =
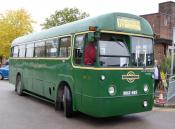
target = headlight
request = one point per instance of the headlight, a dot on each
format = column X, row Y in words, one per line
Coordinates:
column 111, row 90
column 145, row 103
column 145, row 88
column 103, row 77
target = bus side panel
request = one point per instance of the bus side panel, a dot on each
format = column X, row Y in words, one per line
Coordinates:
column 80, row 81
column 16, row 67
column 28, row 75
column 12, row 71
column 48, row 76
column 44, row 77
column 84, row 82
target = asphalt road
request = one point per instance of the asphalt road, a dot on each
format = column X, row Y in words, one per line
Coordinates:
column 29, row 113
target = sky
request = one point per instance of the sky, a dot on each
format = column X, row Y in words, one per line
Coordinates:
column 41, row 9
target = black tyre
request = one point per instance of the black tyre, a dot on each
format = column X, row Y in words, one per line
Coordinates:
column 18, row 86
column 67, row 102
column 59, row 101
column 1, row 77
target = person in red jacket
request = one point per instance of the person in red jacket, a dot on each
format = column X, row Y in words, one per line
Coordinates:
column 90, row 54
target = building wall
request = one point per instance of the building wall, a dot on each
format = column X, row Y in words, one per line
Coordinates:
column 165, row 26
column 162, row 24
column 153, row 19
column 167, row 9
column 159, row 52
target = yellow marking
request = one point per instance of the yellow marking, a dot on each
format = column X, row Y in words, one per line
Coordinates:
column 65, row 36
column 130, row 77
column 124, row 33
column 128, row 23
column 35, row 58
column 94, row 68
column 84, row 32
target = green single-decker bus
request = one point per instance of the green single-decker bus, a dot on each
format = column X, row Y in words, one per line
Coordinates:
column 56, row 65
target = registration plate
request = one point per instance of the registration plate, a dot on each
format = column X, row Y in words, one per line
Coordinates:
column 130, row 93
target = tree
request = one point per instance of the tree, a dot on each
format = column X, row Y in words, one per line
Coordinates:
column 13, row 23
column 165, row 64
column 64, row 16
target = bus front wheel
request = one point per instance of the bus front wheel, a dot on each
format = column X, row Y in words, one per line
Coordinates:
column 67, row 102
column 59, row 100
column 18, row 86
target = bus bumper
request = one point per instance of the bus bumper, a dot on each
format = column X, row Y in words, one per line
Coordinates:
column 116, row 106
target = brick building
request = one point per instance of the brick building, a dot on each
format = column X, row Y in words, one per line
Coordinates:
column 162, row 24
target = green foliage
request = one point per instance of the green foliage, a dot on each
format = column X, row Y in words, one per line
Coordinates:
column 13, row 23
column 64, row 16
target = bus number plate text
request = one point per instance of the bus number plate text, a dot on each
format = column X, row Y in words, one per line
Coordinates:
column 130, row 93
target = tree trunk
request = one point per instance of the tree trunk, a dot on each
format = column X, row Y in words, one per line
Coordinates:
column 0, row 61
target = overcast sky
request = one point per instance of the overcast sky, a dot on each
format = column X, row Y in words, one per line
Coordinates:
column 40, row 9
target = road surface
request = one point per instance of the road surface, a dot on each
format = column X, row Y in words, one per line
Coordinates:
column 26, row 112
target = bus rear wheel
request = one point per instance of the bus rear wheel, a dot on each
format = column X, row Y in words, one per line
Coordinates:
column 67, row 102
column 18, row 86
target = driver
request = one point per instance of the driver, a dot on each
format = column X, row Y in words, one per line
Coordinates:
column 90, row 54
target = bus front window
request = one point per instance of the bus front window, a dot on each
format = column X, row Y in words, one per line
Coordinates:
column 141, row 52
column 113, row 53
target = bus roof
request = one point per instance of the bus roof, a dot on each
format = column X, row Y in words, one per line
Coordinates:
column 107, row 22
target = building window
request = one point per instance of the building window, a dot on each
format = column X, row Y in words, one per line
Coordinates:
column 64, row 49
column 165, row 22
column 29, row 50
column 52, row 48
column 40, row 49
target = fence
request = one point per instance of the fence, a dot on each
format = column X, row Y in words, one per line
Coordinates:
column 171, row 88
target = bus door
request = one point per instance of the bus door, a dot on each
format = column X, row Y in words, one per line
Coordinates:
column 78, row 61
column 84, row 60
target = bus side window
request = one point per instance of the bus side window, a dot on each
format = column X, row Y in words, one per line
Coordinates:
column 64, row 47
column 22, row 49
column 52, row 47
column 78, row 48
column 29, row 50
column 15, row 51
column 40, row 49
